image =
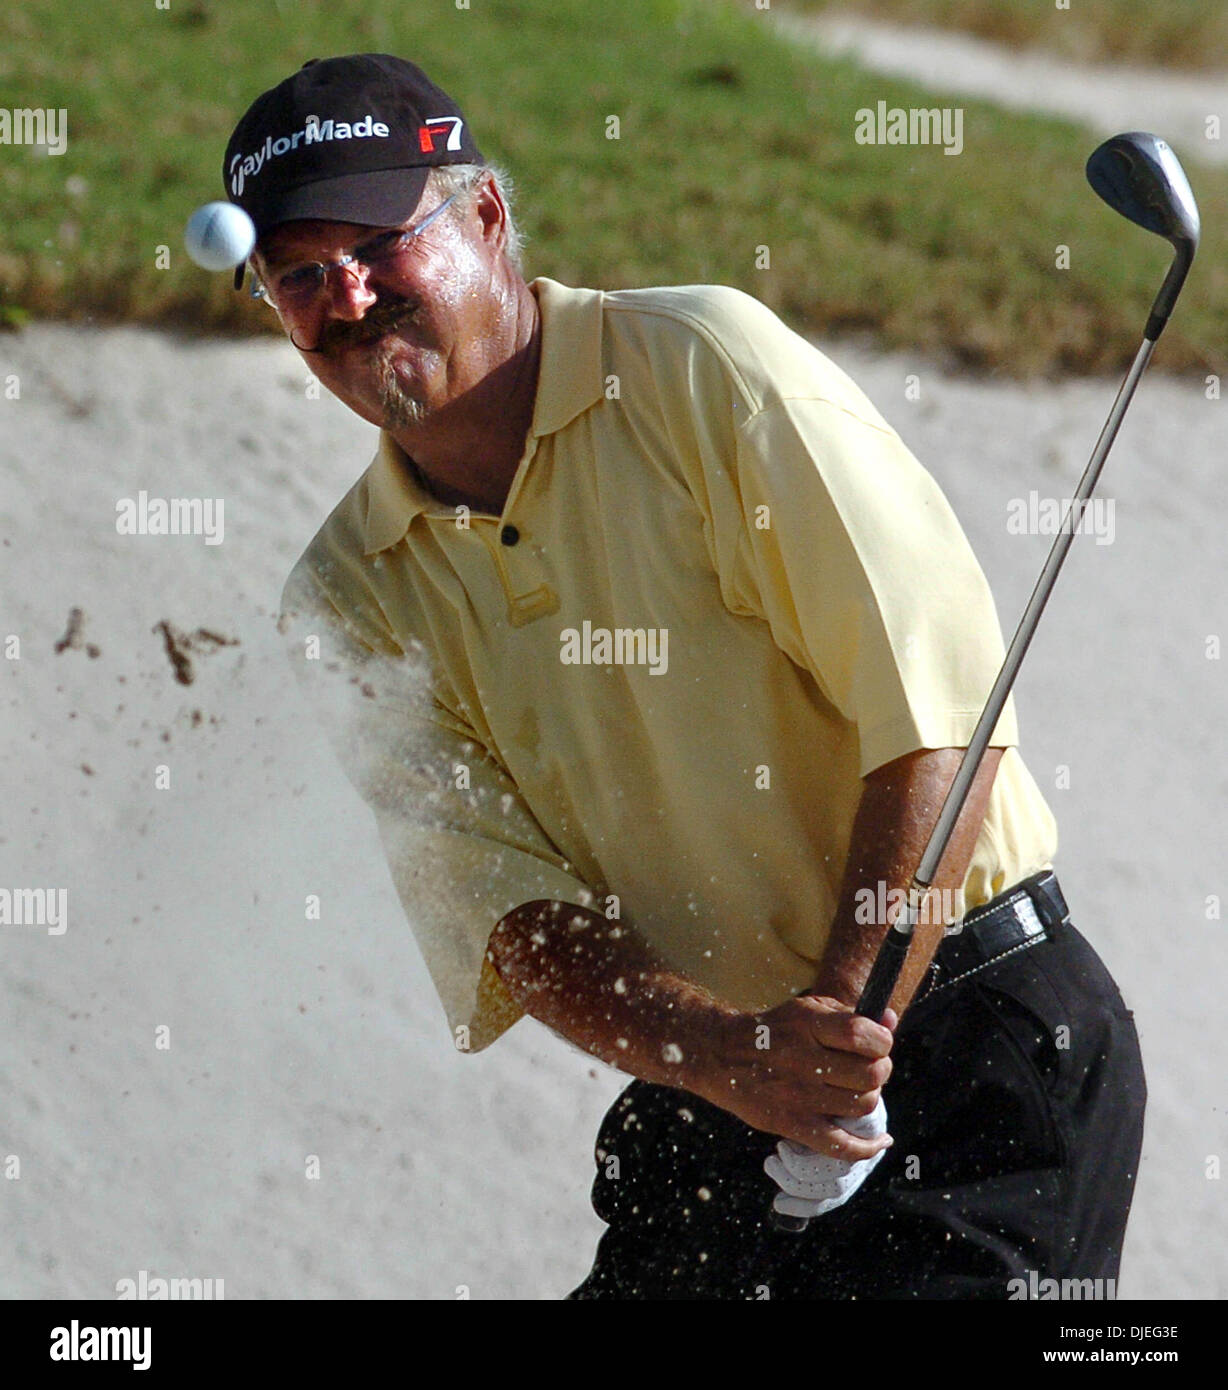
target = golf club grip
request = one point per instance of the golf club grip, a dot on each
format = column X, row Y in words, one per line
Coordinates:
column 886, row 971
column 782, row 1222
column 872, row 1004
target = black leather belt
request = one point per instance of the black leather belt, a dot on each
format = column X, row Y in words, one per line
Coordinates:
column 1023, row 916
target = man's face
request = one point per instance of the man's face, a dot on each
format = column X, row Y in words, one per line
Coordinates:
column 402, row 341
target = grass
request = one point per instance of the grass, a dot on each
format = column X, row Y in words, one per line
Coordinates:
column 730, row 141
column 1189, row 34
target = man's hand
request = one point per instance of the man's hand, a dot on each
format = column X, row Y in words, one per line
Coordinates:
column 813, row 1184
column 794, row 1070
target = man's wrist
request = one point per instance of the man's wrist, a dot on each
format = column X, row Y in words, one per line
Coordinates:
column 835, row 982
column 707, row 1070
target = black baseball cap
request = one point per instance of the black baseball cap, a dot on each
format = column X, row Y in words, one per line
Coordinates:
column 348, row 139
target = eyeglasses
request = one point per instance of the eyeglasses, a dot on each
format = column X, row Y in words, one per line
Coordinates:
column 299, row 287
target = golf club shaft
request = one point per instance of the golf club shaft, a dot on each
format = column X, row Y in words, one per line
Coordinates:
column 894, row 949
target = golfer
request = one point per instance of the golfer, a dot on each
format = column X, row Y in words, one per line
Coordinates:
column 653, row 650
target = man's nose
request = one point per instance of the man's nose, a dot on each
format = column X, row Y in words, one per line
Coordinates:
column 346, row 290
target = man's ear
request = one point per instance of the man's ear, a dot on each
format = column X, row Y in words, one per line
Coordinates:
column 491, row 211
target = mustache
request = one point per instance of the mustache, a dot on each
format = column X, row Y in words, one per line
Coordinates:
column 339, row 334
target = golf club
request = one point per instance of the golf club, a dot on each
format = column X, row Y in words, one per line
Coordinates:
column 1139, row 176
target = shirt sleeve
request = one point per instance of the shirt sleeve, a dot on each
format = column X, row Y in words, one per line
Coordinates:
column 828, row 529
column 462, row 846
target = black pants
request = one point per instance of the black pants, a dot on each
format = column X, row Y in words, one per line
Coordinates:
column 1016, row 1104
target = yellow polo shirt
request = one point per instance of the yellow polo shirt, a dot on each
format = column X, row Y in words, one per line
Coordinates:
column 720, row 593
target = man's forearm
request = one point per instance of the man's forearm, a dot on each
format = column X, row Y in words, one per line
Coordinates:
column 899, row 807
column 599, row 984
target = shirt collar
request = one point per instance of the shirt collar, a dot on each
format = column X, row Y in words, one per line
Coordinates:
column 569, row 381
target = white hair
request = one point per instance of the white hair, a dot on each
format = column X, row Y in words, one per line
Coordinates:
column 447, row 179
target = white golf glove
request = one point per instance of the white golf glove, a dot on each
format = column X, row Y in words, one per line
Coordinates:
column 812, row 1184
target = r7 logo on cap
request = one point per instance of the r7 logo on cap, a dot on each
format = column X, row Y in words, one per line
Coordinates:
column 426, row 135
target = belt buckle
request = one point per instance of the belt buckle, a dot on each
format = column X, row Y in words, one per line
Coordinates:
column 1025, row 913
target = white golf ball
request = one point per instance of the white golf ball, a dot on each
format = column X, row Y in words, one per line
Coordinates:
column 219, row 236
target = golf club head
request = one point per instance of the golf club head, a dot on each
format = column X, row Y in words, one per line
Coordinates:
column 1140, row 177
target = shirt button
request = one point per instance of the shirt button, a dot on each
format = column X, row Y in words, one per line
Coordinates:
column 509, row 535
